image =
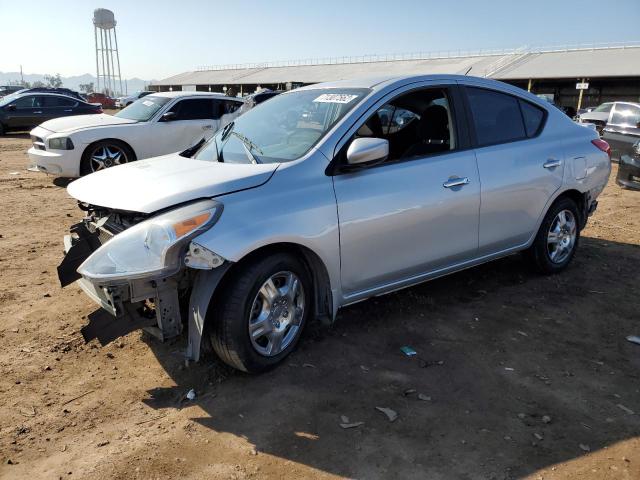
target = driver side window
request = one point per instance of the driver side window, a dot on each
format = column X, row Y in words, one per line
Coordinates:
column 416, row 124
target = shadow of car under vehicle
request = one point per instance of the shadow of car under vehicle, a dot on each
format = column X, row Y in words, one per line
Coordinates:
column 499, row 350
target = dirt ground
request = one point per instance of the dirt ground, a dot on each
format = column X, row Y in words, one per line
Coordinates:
column 519, row 375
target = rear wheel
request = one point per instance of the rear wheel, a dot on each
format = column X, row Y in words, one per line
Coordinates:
column 557, row 239
column 260, row 313
column 105, row 154
column 2, row 129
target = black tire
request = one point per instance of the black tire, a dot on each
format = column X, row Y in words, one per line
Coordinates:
column 85, row 162
column 1, row 129
column 229, row 314
column 538, row 254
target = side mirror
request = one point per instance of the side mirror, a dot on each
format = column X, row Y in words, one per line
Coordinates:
column 11, row 107
column 367, row 151
column 168, row 116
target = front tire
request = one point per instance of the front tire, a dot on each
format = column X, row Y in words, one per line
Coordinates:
column 557, row 239
column 105, row 154
column 260, row 313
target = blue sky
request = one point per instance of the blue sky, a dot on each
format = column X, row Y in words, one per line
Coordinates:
column 161, row 38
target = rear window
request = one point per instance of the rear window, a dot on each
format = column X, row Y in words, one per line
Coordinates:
column 625, row 114
column 500, row 118
column 533, row 118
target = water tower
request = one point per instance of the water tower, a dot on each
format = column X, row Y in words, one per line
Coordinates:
column 108, row 69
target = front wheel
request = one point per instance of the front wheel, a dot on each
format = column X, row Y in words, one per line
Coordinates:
column 105, row 154
column 557, row 239
column 260, row 313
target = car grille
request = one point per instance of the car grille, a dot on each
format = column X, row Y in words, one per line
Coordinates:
column 38, row 143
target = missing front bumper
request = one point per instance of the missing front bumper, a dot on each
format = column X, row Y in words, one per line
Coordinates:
column 151, row 304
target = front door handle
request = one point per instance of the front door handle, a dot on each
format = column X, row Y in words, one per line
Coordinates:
column 455, row 182
column 552, row 163
column 38, row 111
column 207, row 127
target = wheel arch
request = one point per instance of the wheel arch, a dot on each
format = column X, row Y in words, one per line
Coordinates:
column 582, row 200
column 322, row 298
column 208, row 287
column 113, row 139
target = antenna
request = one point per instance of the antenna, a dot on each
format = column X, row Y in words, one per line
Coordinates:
column 104, row 30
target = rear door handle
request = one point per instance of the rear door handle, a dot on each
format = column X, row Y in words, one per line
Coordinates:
column 69, row 110
column 207, row 127
column 455, row 182
column 551, row 163
column 38, row 111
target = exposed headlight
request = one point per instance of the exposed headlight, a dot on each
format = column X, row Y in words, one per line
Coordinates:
column 60, row 143
column 151, row 248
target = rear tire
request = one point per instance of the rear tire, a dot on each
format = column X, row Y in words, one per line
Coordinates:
column 2, row 130
column 244, row 323
column 557, row 239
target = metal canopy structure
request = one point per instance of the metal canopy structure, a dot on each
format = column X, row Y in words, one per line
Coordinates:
column 604, row 61
column 108, row 75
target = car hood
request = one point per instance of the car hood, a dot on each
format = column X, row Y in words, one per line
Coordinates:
column 147, row 186
column 81, row 122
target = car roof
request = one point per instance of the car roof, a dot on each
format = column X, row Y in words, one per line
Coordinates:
column 47, row 94
column 194, row 94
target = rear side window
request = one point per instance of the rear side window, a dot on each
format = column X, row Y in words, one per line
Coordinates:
column 231, row 106
column 194, row 109
column 496, row 116
column 533, row 118
column 59, row 102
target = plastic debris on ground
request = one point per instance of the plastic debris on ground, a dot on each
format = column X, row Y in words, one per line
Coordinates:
column 191, row 394
column 392, row 415
column 634, row 339
column 408, row 351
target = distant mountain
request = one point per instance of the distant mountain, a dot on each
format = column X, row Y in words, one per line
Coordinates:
column 73, row 82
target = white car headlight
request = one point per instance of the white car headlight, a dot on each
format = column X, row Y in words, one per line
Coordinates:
column 151, row 248
column 60, row 143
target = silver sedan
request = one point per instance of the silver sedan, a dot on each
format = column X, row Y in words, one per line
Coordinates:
column 329, row 195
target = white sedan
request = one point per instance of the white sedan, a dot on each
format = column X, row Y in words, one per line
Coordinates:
column 155, row 125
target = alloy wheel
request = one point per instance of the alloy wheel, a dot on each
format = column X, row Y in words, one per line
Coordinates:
column 276, row 314
column 106, row 156
column 561, row 237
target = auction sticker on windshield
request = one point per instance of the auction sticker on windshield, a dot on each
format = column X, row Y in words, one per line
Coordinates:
column 335, row 98
column 148, row 103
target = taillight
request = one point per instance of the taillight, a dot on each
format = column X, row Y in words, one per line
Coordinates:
column 602, row 145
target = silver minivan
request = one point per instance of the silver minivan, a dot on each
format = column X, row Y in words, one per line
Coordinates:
column 326, row 196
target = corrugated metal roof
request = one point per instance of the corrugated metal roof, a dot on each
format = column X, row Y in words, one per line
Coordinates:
column 578, row 63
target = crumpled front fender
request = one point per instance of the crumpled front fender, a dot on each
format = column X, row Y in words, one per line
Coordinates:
column 204, row 286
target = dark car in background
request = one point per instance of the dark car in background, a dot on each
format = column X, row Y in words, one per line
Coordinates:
column 622, row 129
column 9, row 89
column 23, row 111
column 622, row 132
column 60, row 90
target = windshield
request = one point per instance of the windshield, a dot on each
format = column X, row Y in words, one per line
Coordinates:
column 605, row 107
column 282, row 129
column 143, row 109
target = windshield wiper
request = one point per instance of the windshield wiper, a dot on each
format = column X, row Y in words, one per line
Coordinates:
column 248, row 146
column 189, row 152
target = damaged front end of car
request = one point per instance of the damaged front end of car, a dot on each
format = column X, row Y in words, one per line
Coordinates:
column 147, row 270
